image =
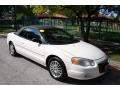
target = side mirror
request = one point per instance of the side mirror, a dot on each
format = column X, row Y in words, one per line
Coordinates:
column 40, row 42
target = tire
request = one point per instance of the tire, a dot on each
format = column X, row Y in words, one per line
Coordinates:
column 12, row 49
column 57, row 69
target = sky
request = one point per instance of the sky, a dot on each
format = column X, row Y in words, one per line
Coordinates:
column 106, row 12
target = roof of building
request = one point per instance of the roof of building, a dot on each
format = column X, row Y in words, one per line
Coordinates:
column 96, row 16
column 54, row 15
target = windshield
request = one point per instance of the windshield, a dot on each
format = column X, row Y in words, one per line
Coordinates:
column 58, row 36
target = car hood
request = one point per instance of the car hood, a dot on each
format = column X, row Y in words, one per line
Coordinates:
column 82, row 49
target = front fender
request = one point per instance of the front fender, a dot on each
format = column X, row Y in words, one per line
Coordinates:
column 64, row 56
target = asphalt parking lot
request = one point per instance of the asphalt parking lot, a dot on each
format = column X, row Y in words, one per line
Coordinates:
column 22, row 71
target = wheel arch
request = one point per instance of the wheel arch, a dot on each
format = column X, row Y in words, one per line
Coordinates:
column 10, row 42
column 50, row 56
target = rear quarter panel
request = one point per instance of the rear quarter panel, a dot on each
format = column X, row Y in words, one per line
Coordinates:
column 10, row 37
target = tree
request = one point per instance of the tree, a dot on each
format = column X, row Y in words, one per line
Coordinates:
column 38, row 9
column 4, row 9
column 76, row 12
column 79, row 11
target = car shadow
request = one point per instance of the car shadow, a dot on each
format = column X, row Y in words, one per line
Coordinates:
column 112, row 77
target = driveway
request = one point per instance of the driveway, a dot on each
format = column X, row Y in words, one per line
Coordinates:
column 20, row 70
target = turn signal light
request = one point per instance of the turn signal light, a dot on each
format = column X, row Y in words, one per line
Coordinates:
column 74, row 61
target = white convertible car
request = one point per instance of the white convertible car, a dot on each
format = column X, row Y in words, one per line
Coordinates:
column 63, row 55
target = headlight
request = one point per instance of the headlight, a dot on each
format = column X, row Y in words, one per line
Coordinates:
column 82, row 61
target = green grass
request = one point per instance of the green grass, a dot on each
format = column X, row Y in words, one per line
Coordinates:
column 114, row 53
column 5, row 30
column 115, row 57
column 106, row 36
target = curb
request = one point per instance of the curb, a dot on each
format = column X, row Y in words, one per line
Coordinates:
column 115, row 64
column 3, row 35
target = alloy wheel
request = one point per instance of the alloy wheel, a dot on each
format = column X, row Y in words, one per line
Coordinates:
column 56, row 69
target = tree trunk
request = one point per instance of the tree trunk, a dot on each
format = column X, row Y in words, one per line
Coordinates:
column 88, row 29
column 15, row 23
column 100, row 29
column 82, row 29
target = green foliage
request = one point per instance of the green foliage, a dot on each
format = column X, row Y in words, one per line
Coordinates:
column 38, row 9
column 3, row 9
column 54, row 9
column 80, row 9
column 19, row 16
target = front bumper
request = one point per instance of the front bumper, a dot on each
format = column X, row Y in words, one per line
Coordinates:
column 85, row 73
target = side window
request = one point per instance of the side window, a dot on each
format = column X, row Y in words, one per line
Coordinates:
column 23, row 33
column 30, row 34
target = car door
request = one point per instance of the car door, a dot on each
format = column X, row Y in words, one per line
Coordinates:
column 31, row 47
column 19, row 40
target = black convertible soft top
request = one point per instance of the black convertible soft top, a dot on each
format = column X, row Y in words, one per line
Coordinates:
column 42, row 27
column 37, row 27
